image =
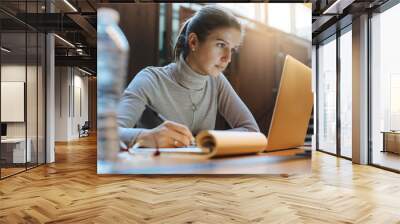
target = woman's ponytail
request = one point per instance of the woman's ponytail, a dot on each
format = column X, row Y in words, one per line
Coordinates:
column 180, row 43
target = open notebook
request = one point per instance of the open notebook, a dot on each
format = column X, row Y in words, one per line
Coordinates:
column 288, row 126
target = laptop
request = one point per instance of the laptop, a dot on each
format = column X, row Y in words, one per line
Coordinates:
column 293, row 107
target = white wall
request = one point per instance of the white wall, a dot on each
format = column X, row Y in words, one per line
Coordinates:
column 71, row 102
column 61, row 103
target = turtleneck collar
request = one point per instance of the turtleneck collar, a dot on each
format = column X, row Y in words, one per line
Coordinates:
column 188, row 78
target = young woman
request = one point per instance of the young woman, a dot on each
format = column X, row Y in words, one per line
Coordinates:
column 191, row 91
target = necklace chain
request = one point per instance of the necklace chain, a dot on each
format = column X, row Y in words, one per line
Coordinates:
column 194, row 108
column 194, row 105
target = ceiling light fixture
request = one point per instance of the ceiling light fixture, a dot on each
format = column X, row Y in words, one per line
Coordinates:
column 84, row 71
column 65, row 41
column 337, row 7
column 71, row 6
column 5, row 50
column 79, row 51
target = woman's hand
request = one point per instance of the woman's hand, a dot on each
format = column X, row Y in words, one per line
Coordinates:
column 167, row 135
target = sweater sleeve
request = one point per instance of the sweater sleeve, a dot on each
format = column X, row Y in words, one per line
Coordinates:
column 232, row 108
column 132, row 104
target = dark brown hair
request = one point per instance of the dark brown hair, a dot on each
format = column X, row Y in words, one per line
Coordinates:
column 202, row 23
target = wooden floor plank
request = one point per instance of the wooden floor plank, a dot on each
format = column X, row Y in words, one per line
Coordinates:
column 70, row 191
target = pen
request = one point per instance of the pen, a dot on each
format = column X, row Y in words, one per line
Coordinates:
column 135, row 146
column 123, row 146
column 163, row 119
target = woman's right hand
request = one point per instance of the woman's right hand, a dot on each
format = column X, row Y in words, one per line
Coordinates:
column 167, row 135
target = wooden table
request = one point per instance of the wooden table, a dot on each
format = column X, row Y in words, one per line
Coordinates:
column 292, row 161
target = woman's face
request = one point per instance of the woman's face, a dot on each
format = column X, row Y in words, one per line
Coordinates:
column 213, row 55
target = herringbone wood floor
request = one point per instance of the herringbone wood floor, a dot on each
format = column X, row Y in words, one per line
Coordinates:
column 70, row 191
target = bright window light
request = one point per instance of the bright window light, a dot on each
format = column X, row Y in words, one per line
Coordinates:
column 279, row 16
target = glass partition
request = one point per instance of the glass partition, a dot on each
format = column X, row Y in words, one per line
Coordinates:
column 22, row 88
column 13, row 108
column 31, row 98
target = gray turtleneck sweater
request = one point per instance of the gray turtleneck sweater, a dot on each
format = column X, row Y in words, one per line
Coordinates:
column 179, row 94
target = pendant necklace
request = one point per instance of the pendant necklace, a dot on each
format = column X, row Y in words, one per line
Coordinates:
column 194, row 108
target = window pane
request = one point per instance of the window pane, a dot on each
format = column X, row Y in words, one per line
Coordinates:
column 279, row 16
column 303, row 20
column 248, row 10
column 327, row 97
column 386, row 88
column 346, row 94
